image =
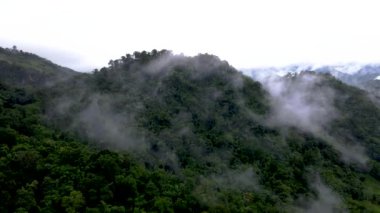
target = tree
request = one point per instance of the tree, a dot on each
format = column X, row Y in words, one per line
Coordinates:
column 14, row 48
column 73, row 202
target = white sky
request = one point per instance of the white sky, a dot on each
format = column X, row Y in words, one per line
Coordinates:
column 86, row 34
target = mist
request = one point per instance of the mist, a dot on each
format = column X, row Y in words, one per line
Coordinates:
column 114, row 120
column 300, row 102
column 326, row 200
column 303, row 101
column 111, row 129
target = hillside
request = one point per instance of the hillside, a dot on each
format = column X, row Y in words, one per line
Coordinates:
column 365, row 78
column 26, row 69
column 158, row 132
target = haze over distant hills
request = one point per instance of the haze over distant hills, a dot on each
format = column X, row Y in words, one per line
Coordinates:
column 364, row 76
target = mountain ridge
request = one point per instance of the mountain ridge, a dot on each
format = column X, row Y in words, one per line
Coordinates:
column 22, row 68
column 155, row 131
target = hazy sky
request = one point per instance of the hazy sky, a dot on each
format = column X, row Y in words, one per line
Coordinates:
column 86, row 34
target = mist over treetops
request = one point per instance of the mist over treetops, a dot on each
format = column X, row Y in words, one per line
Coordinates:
column 160, row 132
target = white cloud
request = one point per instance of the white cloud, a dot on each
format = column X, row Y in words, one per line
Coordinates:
column 246, row 33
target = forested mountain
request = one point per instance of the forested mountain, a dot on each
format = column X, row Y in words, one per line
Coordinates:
column 26, row 69
column 157, row 132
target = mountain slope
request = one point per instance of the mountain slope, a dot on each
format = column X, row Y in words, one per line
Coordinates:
column 193, row 134
column 26, row 69
column 364, row 78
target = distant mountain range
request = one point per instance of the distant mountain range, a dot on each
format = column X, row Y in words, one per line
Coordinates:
column 350, row 73
column 363, row 76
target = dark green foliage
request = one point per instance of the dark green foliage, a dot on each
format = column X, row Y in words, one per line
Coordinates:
column 40, row 172
column 57, row 156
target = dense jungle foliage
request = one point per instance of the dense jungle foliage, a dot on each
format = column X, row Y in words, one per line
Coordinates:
column 157, row 132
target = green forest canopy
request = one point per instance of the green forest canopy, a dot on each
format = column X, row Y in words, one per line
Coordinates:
column 157, row 132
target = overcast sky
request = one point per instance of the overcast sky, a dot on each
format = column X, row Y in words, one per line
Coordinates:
column 86, row 34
